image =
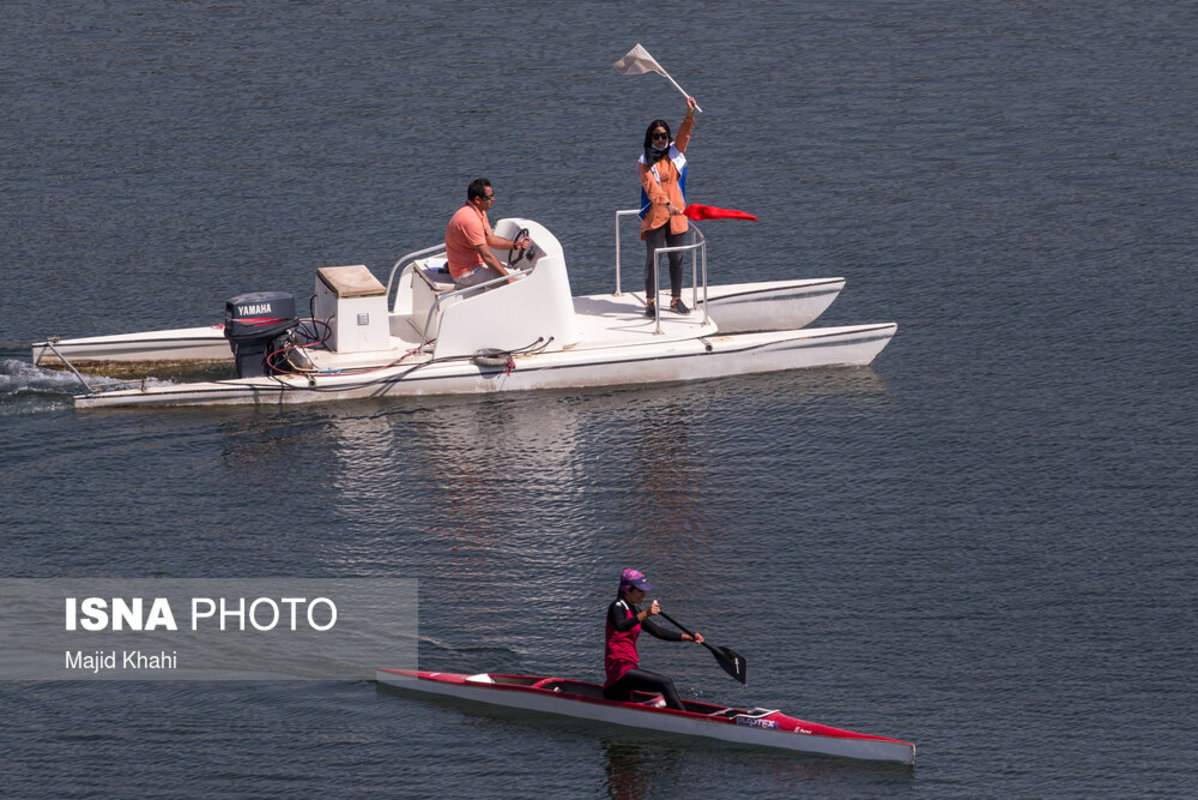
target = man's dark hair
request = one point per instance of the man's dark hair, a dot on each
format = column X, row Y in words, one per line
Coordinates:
column 477, row 188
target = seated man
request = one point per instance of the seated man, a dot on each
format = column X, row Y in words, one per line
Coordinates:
column 468, row 239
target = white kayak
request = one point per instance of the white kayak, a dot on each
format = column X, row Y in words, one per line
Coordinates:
column 755, row 726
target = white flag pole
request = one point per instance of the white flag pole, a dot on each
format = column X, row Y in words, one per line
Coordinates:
column 679, row 88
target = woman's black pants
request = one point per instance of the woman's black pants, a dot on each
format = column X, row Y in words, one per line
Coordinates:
column 642, row 680
column 657, row 238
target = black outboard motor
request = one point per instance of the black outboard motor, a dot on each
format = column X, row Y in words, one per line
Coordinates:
column 253, row 324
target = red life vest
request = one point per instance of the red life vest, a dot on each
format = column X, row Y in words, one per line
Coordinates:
column 619, row 651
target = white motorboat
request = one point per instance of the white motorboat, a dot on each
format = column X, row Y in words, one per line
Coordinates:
column 735, row 308
column 419, row 335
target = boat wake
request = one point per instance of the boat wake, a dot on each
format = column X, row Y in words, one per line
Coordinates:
column 26, row 389
column 435, row 650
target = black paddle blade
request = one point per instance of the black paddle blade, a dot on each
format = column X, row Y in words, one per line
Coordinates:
column 733, row 663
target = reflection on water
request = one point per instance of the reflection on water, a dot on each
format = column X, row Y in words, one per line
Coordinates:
column 479, row 485
column 542, row 496
column 486, row 455
column 666, row 469
column 625, row 771
column 645, row 765
column 256, row 442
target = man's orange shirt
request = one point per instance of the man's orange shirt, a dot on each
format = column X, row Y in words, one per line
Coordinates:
column 467, row 229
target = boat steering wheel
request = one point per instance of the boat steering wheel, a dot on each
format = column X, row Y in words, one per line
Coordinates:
column 515, row 254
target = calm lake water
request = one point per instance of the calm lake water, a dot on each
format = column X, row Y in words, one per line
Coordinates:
column 983, row 544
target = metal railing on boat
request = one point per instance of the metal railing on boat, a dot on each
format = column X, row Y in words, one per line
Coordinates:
column 698, row 251
column 87, row 386
column 441, row 296
column 404, row 260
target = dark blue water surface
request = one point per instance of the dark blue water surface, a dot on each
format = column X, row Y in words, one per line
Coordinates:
column 983, row 544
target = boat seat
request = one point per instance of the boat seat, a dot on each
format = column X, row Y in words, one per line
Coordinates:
column 435, row 274
column 567, row 686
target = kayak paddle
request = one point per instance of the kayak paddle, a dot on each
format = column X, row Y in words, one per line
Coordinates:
column 727, row 658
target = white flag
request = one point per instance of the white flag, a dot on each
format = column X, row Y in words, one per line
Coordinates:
column 638, row 62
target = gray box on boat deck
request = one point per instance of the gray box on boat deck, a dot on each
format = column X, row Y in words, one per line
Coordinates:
column 352, row 302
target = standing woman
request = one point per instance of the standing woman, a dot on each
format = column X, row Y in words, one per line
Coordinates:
column 624, row 623
column 662, row 170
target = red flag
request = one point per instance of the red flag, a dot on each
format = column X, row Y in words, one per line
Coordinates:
column 697, row 211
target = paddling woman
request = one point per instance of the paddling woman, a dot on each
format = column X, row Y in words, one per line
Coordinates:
column 624, row 623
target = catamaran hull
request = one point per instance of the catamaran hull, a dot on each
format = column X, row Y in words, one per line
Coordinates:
column 735, row 308
column 206, row 343
column 768, row 729
column 699, row 358
column 770, row 306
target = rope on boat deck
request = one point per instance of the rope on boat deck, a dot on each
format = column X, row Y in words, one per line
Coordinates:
column 313, row 387
column 504, row 359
